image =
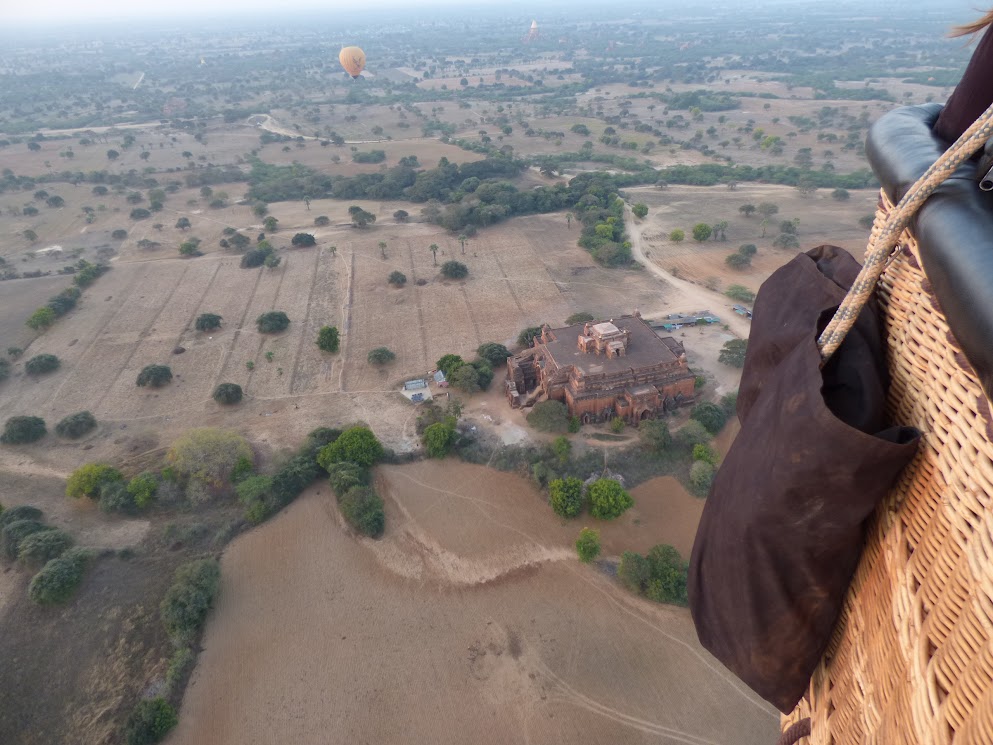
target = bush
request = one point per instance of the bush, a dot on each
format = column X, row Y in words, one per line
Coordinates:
column 21, row 512
column 41, row 319
column 317, row 439
column 466, row 378
column 654, row 435
column 58, row 579
column 253, row 489
column 692, row 433
column 187, row 602
column 738, row 261
column 272, row 322
column 397, row 279
column 150, row 721
column 14, row 532
column 356, row 445
column 608, row 499
column 739, row 293
column 76, row 425
column 661, row 576
column 639, row 210
column 380, row 356
column 733, row 352
column 209, row 455
column 255, row 257
column 181, row 661
column 454, row 270
column 705, row 453
column 701, row 477
column 710, row 416
column 549, row 416
column 566, row 496
column 574, row 424
column 616, row 425
column 438, row 439
column 23, row 429
column 344, row 475
column 207, row 322
column 362, row 508
column 304, row 240
column 142, row 489
column 322, row 221
column 702, row 231
column 449, row 364
column 155, row 376
column 115, row 497
column 328, row 339
column 588, row 545
column 119, row 235
column 42, row 546
column 581, row 317
column 86, row 481
column 227, row 393
column 528, row 335
column 495, row 354
column 42, row 363
column 729, row 403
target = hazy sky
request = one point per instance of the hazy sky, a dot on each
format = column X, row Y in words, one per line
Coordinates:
column 70, row 10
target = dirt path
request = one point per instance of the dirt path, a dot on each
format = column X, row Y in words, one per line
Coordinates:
column 698, row 297
column 266, row 122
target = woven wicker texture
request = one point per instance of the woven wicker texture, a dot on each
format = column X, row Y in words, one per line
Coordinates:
column 911, row 659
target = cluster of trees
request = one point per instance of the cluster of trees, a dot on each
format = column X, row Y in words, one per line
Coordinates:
column 741, row 259
column 605, row 498
column 347, row 460
column 660, row 576
column 84, row 274
column 474, row 376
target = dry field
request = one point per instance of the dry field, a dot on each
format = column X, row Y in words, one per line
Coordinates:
column 515, row 640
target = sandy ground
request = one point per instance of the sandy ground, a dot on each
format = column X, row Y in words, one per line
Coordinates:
column 311, row 639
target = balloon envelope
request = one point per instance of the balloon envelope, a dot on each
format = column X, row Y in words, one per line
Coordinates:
column 353, row 60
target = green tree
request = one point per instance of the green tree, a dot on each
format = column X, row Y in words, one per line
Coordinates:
column 356, row 445
column 41, row 319
column 549, row 416
column 668, row 575
column 322, row 221
column 30, row 235
column 710, row 416
column 634, row 572
column 692, row 433
column 747, row 209
column 154, row 376
column 701, row 477
column 41, row 364
column 466, row 379
column 76, row 425
column 19, row 430
column 767, row 209
column 449, row 363
column 188, row 600
column 640, row 210
column 42, row 546
column 733, row 352
column 705, row 453
column 272, row 322
column 143, row 488
column 86, row 481
column 786, row 241
column 654, row 435
column 362, row 508
column 272, row 261
column 328, row 339
column 433, row 248
column 207, row 322
column 401, row 216
column 150, row 721
column 454, row 270
column 227, row 393
column 360, row 218
column 303, row 240
column 463, row 239
column 259, row 209
column 528, row 335
column 397, row 279
column 608, row 499
column 701, row 232
column 737, row 261
column 438, row 439
column 748, row 249
column 184, row 223
column 588, row 545
column 380, row 356
column 562, row 449
column 840, row 195
column 270, row 224
column 58, row 579
column 566, row 496
column 495, row 354
column 677, row 236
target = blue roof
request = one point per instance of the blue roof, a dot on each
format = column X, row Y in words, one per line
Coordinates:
column 439, row 377
column 413, row 385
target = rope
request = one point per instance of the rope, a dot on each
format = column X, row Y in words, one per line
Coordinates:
column 795, row 733
column 881, row 245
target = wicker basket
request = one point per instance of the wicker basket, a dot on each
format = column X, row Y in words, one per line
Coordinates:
column 911, row 659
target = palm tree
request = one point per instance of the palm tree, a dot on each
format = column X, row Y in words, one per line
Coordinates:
column 568, row 219
column 333, row 250
column 434, row 252
column 765, row 224
column 463, row 239
column 306, row 200
column 382, row 248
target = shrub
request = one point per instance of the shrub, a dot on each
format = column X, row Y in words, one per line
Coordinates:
column 654, row 435
column 87, row 480
column 21, row 512
column 4, row 368
column 255, row 256
column 701, row 477
column 303, row 240
column 397, row 279
column 42, row 546
column 207, row 322
column 454, row 270
column 187, row 602
column 705, row 453
column 227, row 393
column 328, row 339
column 23, row 429
column 616, row 425
column 737, row 261
column 639, row 210
column 574, row 424
column 634, row 572
column 140, row 213
column 317, row 439
column 739, row 293
column 208, row 455
column 76, row 425
column 14, row 532
column 702, row 231
column 588, row 545
column 150, row 721
column 363, row 509
column 41, row 319
column 58, row 579
column 677, row 236
column 272, row 322
column 549, row 416
column 322, row 221
column 253, row 489
column 356, row 445
column 733, row 352
column 42, row 363
column 841, row 195
column 495, row 354
column 580, row 317
column 661, row 576
column 181, row 661
column 566, row 496
column 692, row 433
column 608, row 499
column 115, row 497
column 380, row 356
column 155, row 376
column 710, row 416
column 438, row 439
column 142, row 489
column 344, row 475
column 64, row 302
column 466, row 378
column 291, row 479
column 729, row 403
column 528, row 335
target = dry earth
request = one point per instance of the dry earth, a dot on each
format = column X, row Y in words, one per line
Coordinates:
column 470, row 621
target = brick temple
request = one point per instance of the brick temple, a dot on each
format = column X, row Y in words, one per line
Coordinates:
column 619, row 368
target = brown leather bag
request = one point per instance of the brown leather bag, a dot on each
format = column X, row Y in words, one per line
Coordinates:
column 782, row 529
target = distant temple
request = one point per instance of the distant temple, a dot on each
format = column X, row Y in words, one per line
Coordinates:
column 602, row 370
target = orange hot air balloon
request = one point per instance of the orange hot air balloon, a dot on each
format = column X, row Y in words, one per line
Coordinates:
column 353, row 60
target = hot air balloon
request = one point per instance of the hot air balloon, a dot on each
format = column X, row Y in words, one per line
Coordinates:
column 353, row 60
